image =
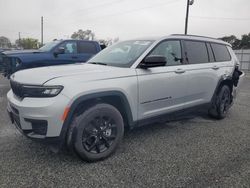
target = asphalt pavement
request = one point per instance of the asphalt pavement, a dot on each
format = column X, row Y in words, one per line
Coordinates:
column 196, row 152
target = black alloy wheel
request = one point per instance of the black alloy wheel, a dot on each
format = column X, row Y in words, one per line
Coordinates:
column 225, row 101
column 222, row 103
column 96, row 133
column 99, row 134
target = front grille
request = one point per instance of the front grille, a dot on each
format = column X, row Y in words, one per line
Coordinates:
column 9, row 65
column 6, row 61
column 1, row 63
column 17, row 88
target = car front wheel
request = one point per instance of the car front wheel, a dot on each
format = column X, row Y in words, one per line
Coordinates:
column 98, row 132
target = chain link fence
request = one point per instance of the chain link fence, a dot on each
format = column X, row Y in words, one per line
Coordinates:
column 244, row 58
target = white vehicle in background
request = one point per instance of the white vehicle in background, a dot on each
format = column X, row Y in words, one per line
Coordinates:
column 135, row 82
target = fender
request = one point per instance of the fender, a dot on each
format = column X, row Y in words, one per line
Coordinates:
column 222, row 79
column 234, row 78
column 83, row 98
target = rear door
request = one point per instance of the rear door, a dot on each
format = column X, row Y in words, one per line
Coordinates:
column 163, row 89
column 203, row 72
column 85, row 50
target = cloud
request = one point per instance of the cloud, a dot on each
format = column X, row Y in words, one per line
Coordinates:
column 121, row 18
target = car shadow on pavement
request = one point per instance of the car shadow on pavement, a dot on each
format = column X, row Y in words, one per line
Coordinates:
column 39, row 152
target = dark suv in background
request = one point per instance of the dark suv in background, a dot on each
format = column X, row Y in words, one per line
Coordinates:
column 54, row 53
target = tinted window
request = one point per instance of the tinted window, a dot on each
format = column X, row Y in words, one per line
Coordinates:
column 196, row 52
column 210, row 53
column 220, row 52
column 171, row 50
column 87, row 47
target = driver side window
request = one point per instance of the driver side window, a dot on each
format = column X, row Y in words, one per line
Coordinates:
column 69, row 47
column 171, row 50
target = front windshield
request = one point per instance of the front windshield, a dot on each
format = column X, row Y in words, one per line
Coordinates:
column 48, row 46
column 122, row 54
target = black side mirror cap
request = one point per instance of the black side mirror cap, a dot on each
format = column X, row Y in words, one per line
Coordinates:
column 153, row 61
column 59, row 50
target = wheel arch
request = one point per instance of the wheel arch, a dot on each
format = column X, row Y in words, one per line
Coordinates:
column 222, row 81
column 228, row 81
column 115, row 98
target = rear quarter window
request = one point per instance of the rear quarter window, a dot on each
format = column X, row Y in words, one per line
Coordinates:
column 221, row 52
column 196, row 52
column 87, row 48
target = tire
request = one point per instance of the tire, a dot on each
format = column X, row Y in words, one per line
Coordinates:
column 96, row 133
column 221, row 104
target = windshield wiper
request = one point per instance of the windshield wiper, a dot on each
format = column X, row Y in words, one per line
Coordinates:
column 97, row 63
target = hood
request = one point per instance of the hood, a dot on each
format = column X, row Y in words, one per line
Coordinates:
column 86, row 72
column 21, row 52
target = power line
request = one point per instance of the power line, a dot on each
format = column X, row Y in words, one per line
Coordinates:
column 133, row 10
column 221, row 18
column 100, row 5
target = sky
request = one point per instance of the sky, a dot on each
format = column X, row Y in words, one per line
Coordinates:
column 125, row 19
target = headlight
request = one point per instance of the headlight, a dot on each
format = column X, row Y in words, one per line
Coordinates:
column 41, row 91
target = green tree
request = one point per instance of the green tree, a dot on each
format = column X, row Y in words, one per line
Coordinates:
column 245, row 41
column 83, row 35
column 233, row 40
column 236, row 43
column 5, row 42
column 27, row 43
column 108, row 41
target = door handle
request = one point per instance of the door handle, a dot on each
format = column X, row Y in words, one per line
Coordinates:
column 179, row 71
column 215, row 67
column 74, row 57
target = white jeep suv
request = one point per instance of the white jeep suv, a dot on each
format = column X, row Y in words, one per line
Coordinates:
column 135, row 82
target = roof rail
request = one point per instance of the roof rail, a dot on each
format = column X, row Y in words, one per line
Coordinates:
column 194, row 36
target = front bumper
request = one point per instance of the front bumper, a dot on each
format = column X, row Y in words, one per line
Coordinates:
column 38, row 118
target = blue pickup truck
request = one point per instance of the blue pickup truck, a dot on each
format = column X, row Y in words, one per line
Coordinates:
column 57, row 52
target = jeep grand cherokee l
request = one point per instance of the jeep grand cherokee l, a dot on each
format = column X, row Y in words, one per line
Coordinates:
column 135, row 82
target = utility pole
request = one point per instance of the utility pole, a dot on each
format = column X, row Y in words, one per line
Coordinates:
column 189, row 2
column 19, row 39
column 42, row 30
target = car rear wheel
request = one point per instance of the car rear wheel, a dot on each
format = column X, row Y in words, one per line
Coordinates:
column 98, row 132
column 222, row 103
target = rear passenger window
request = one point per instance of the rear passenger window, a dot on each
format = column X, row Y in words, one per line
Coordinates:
column 87, row 48
column 196, row 52
column 220, row 52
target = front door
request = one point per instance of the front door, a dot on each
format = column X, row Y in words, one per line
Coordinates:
column 69, row 55
column 163, row 89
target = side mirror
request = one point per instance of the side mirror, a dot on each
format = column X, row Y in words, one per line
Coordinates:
column 153, row 61
column 59, row 50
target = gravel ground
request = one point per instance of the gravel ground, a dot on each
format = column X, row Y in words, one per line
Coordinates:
column 198, row 152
